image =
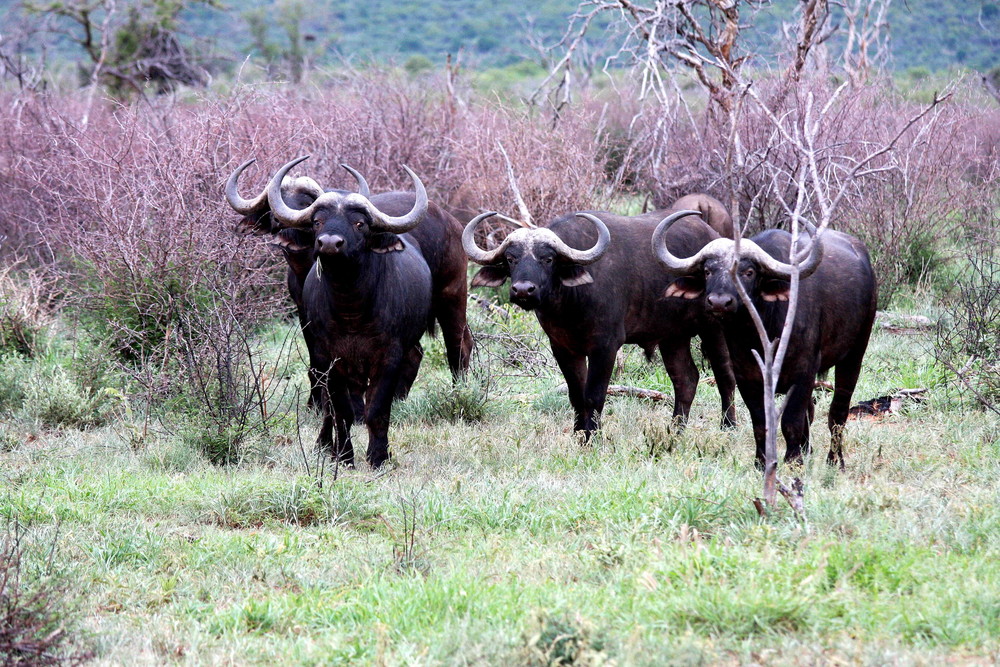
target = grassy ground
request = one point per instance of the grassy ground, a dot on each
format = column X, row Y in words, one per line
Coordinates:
column 502, row 540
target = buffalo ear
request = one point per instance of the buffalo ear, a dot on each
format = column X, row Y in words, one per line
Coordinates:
column 685, row 287
column 775, row 289
column 574, row 276
column 490, row 276
column 257, row 223
column 293, row 240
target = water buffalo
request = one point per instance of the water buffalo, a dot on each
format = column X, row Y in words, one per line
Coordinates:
column 836, row 309
column 439, row 237
column 367, row 301
column 596, row 287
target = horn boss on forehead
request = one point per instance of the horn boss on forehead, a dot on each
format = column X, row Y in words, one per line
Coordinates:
column 380, row 221
column 535, row 236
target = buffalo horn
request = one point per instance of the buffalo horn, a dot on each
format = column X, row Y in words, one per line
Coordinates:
column 806, row 266
column 281, row 211
column 585, row 256
column 472, row 249
column 748, row 249
column 379, row 220
column 404, row 223
column 666, row 257
column 239, row 204
column 362, row 183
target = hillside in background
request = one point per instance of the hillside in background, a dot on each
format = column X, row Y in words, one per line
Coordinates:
column 931, row 34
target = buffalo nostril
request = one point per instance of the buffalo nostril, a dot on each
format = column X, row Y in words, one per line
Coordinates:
column 331, row 243
column 721, row 301
column 522, row 288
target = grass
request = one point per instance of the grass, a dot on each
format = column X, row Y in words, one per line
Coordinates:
column 501, row 540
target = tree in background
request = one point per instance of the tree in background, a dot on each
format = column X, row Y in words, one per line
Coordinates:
column 291, row 57
column 131, row 45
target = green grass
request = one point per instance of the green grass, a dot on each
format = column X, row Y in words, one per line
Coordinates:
column 502, row 540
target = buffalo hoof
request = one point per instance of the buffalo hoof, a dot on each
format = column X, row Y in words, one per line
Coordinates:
column 836, row 459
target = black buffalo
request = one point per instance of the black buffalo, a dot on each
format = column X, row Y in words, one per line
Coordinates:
column 591, row 302
column 439, row 237
column 366, row 302
column 836, row 308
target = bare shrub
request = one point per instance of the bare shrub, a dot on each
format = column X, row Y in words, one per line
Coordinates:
column 35, row 614
column 231, row 386
column 128, row 211
column 967, row 340
column 25, row 310
column 904, row 207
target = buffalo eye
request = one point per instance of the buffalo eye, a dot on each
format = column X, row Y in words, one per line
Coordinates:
column 511, row 260
column 708, row 272
column 748, row 273
column 546, row 260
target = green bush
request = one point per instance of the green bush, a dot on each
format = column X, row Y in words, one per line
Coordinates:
column 556, row 641
column 55, row 400
column 50, row 396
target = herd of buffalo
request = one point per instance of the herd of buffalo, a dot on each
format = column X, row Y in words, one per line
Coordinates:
column 369, row 274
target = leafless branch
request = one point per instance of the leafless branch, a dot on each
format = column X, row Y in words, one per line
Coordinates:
column 512, row 181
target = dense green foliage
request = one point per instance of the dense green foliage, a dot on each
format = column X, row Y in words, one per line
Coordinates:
column 926, row 34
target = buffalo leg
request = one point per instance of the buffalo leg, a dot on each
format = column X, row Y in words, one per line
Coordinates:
column 339, row 414
column 600, row 365
column 411, row 365
column 845, row 379
column 379, row 407
column 753, row 397
column 796, row 418
column 683, row 374
column 317, row 370
column 574, row 370
column 450, row 314
column 713, row 346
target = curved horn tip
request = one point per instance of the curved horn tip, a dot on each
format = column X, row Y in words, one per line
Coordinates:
column 413, row 176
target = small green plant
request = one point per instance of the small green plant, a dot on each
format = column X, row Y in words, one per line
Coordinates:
column 221, row 446
column 408, row 555
column 555, row 641
column 54, row 400
column 13, row 371
column 300, row 503
column 466, row 400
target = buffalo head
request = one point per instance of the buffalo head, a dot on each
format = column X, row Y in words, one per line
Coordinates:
column 533, row 259
column 297, row 192
column 709, row 271
column 345, row 224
